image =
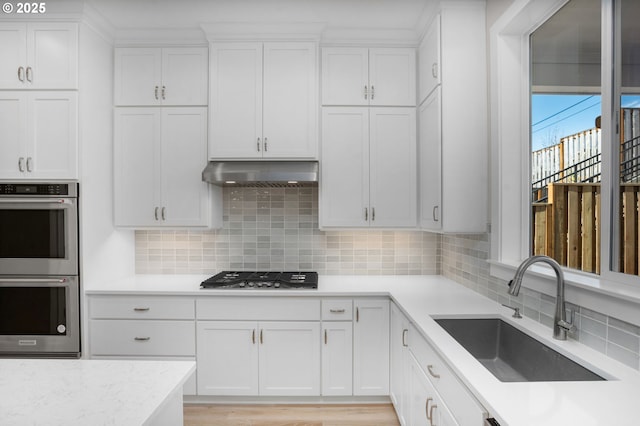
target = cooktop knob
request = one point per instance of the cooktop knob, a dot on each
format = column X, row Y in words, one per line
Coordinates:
column 276, row 285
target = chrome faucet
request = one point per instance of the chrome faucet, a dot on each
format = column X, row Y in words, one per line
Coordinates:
column 560, row 324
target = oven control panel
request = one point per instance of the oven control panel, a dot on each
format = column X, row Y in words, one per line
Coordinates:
column 55, row 189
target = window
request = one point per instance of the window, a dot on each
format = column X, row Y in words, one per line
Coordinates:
column 522, row 80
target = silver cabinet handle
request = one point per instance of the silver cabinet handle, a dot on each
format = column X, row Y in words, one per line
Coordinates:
column 29, row 163
column 357, row 314
column 142, row 339
column 373, row 213
column 155, row 92
column 261, row 339
column 34, row 280
column 404, row 337
column 434, row 375
column 435, row 215
column 365, row 92
column 258, row 145
column 266, row 145
column 366, row 214
column 141, row 309
column 336, row 311
column 21, row 164
column 325, row 337
column 155, row 213
column 434, row 70
column 426, row 408
column 434, row 406
column 164, row 90
column 21, row 74
column 162, row 213
column 373, row 92
column 253, row 336
column 29, row 74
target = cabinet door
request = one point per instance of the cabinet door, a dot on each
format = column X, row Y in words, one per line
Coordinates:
column 345, row 76
column 426, row 405
column 393, row 175
column 337, row 358
column 429, row 60
column 183, row 157
column 392, row 77
column 138, row 76
column 344, row 186
column 52, row 56
column 398, row 363
column 290, row 100
column 227, row 356
column 431, row 162
column 235, row 100
column 13, row 122
column 371, row 347
column 136, row 159
column 289, row 358
column 185, row 72
column 13, row 46
column 52, row 135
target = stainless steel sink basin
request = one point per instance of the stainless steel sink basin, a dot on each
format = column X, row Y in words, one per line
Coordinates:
column 510, row 354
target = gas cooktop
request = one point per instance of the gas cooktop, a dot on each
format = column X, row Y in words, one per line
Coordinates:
column 236, row 280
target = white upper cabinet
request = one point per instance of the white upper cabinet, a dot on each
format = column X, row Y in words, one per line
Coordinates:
column 39, row 135
column 453, row 141
column 161, row 76
column 374, row 77
column 39, row 55
column 263, row 101
column 429, row 60
column 159, row 155
column 368, row 167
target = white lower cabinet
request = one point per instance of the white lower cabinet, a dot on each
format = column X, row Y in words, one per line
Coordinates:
column 143, row 327
column 399, row 355
column 258, row 346
column 426, row 405
column 371, row 347
column 337, row 358
column 455, row 404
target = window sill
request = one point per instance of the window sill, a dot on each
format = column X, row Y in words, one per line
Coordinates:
column 620, row 301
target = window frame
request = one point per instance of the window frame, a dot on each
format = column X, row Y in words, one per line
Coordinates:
column 611, row 293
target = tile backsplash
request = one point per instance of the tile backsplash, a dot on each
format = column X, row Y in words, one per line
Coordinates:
column 277, row 229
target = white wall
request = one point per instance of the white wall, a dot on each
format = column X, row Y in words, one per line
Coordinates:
column 107, row 253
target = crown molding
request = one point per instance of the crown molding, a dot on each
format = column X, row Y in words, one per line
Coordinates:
column 98, row 23
column 397, row 37
column 160, row 36
column 273, row 31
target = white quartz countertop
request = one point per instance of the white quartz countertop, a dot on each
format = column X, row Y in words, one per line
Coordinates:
column 606, row 403
column 86, row 392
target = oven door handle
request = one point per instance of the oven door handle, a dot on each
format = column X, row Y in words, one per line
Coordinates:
column 34, row 280
column 36, row 201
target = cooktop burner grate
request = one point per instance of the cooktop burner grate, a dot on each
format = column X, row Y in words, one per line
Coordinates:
column 261, row 280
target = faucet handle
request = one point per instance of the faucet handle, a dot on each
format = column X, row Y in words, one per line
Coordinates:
column 516, row 311
column 567, row 326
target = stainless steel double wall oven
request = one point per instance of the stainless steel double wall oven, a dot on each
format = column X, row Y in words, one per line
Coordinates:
column 39, row 269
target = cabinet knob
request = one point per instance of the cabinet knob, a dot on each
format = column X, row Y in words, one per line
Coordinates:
column 373, row 92
column 29, row 74
column 29, row 164
column 366, row 214
column 266, row 146
column 336, row 311
column 434, row 70
column 155, row 92
column 258, row 145
column 426, row 408
column 365, row 92
column 142, row 339
column 21, row 74
column 155, row 213
column 162, row 213
column 373, row 212
column 325, row 337
column 141, row 309
column 435, row 213
column 430, row 369
column 21, row 164
column 404, row 337
column 164, row 91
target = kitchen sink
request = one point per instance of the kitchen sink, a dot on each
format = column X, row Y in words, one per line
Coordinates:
column 510, row 354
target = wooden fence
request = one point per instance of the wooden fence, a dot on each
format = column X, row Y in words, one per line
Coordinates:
column 567, row 227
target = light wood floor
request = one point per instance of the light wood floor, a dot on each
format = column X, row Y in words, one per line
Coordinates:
column 290, row 415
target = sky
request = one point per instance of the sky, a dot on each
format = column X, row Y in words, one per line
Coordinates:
column 556, row 116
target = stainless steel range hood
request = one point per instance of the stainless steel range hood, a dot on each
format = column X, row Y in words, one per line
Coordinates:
column 261, row 173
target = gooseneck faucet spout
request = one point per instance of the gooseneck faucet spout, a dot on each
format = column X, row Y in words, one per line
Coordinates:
column 560, row 324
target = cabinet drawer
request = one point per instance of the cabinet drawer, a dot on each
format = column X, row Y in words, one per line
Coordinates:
column 258, row 309
column 337, row 310
column 141, row 337
column 141, row 307
column 466, row 409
